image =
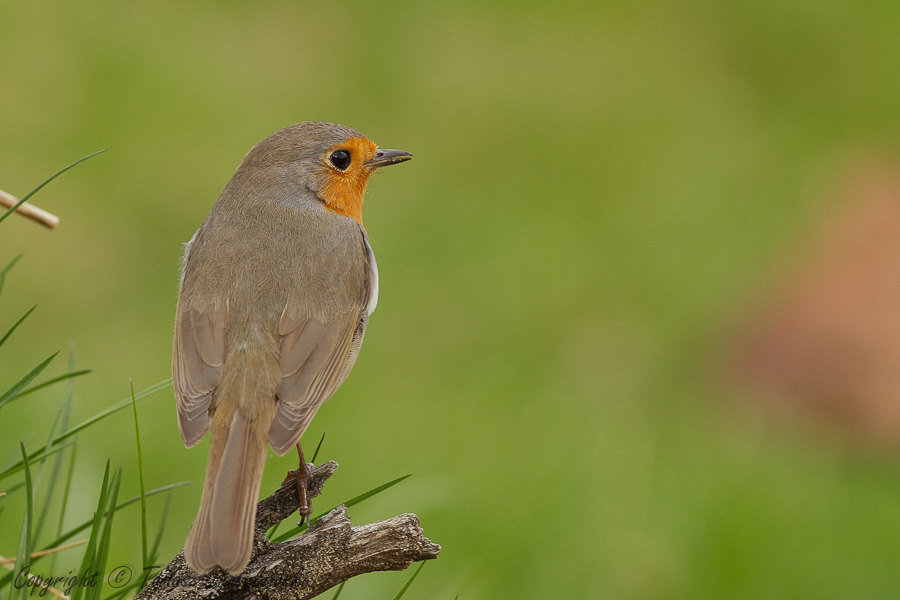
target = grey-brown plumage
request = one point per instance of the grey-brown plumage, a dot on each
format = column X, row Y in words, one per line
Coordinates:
column 277, row 287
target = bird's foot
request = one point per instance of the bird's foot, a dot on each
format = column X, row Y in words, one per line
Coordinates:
column 301, row 477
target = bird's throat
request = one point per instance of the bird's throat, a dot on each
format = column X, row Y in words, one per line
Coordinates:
column 344, row 194
column 344, row 191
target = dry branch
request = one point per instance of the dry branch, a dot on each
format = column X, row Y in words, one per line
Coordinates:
column 29, row 210
column 330, row 552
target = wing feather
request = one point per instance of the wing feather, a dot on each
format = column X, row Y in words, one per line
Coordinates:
column 314, row 356
column 199, row 354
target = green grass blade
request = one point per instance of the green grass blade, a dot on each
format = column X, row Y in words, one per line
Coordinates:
column 65, row 502
column 67, row 411
column 340, row 589
column 271, row 533
column 25, row 541
column 48, row 494
column 88, row 560
column 129, row 590
column 113, row 409
column 46, row 181
column 409, row 583
column 14, row 455
column 20, row 384
column 351, row 502
column 137, row 437
column 49, row 382
column 121, row 593
column 106, row 537
column 154, row 550
column 12, row 209
column 10, row 265
column 318, row 447
column 59, row 541
column 12, row 489
column 61, row 422
column 6, row 270
column 17, row 323
column 375, row 490
column 63, row 538
column 16, row 467
column 35, row 457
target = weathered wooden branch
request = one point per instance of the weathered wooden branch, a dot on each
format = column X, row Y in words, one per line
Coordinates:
column 328, row 553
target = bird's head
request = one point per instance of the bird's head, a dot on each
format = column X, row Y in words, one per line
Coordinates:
column 331, row 160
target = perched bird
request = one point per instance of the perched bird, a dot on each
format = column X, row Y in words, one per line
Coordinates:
column 277, row 286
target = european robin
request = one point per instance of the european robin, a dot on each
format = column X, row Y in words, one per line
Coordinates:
column 277, row 287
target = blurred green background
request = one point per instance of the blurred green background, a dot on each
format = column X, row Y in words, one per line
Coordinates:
column 596, row 187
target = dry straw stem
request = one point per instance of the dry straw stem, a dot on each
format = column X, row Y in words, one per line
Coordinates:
column 8, row 562
column 329, row 553
column 46, row 589
column 29, row 210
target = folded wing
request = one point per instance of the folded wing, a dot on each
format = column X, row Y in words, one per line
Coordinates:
column 315, row 359
column 197, row 367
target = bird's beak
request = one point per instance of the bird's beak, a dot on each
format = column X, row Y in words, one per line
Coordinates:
column 387, row 157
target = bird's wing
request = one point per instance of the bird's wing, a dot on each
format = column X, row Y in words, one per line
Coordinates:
column 318, row 351
column 199, row 353
column 315, row 359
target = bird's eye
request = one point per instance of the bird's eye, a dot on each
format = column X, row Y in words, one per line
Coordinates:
column 340, row 159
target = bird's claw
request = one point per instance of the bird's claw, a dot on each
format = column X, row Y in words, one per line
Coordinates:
column 301, row 477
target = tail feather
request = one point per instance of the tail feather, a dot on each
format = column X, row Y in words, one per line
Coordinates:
column 222, row 534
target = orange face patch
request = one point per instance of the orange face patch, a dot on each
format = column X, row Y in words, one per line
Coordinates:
column 343, row 191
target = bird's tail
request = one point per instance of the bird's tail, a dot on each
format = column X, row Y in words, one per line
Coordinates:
column 222, row 534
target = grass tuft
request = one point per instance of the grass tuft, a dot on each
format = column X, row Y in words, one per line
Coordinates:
column 61, row 437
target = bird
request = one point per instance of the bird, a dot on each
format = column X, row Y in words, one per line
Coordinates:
column 277, row 287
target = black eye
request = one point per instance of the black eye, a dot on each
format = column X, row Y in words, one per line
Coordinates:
column 340, row 159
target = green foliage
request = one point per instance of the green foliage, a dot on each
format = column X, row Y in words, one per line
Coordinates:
column 61, row 440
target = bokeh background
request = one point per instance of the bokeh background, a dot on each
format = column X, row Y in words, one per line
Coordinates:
column 598, row 189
